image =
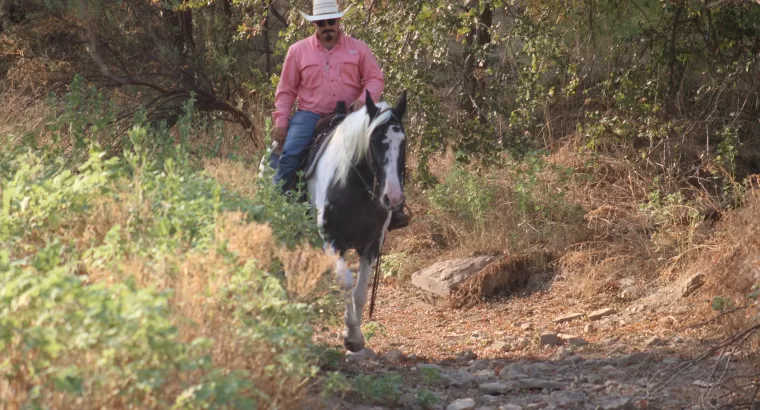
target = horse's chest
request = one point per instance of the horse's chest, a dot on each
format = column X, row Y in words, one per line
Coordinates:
column 352, row 219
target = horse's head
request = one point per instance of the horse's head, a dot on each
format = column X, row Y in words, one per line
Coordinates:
column 387, row 146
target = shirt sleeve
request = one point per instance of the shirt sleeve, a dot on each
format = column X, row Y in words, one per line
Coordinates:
column 287, row 89
column 374, row 81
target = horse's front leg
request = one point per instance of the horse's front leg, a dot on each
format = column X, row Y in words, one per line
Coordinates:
column 352, row 335
column 354, row 338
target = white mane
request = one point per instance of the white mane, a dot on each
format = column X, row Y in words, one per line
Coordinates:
column 351, row 139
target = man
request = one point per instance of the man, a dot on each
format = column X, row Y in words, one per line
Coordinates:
column 320, row 71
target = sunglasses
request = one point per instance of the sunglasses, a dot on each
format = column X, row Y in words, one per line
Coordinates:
column 330, row 22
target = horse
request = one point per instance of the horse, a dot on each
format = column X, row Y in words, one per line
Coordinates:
column 356, row 184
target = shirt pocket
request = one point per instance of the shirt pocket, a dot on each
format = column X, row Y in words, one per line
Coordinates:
column 349, row 73
column 311, row 75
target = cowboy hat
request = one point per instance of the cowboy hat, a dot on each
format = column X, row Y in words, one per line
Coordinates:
column 323, row 10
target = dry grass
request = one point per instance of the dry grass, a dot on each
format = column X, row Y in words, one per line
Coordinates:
column 233, row 175
column 21, row 113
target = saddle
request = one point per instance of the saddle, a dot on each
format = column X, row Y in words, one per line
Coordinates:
column 323, row 132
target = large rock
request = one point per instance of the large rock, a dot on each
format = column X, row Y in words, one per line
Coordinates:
column 444, row 277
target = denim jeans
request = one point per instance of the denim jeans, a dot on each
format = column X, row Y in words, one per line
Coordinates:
column 300, row 132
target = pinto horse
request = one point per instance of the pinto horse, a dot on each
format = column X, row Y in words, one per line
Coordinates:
column 356, row 184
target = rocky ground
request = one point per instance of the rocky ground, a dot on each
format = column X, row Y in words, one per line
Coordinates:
column 544, row 349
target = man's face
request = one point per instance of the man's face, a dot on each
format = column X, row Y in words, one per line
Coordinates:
column 327, row 30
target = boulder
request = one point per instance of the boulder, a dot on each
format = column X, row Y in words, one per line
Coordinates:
column 443, row 278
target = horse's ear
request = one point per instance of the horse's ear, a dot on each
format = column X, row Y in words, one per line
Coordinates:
column 371, row 107
column 400, row 108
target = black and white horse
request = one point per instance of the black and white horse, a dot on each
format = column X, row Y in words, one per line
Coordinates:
column 357, row 183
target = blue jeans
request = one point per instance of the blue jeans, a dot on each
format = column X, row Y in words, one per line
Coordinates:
column 300, row 132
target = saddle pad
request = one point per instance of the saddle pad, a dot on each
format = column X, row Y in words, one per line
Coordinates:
column 321, row 143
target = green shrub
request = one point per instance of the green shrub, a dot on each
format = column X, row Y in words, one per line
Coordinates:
column 466, row 195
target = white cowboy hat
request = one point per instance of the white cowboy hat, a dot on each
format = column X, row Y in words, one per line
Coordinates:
column 323, row 10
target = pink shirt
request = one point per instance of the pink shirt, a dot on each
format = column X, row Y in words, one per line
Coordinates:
column 319, row 78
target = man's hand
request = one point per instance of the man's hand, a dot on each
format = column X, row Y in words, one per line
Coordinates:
column 279, row 135
column 355, row 105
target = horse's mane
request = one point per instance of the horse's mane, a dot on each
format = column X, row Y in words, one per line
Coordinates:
column 351, row 139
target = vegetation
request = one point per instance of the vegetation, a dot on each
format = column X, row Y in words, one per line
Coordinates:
column 142, row 259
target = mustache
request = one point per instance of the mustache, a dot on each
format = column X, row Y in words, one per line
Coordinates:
column 328, row 31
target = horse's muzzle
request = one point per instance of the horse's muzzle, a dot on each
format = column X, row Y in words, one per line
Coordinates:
column 392, row 202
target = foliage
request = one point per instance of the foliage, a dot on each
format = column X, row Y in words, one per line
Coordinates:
column 466, row 194
column 101, row 308
column 385, row 388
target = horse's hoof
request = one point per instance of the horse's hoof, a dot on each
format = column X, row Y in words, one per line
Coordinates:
column 354, row 346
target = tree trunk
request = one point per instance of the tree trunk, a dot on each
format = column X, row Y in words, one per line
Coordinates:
column 475, row 63
column 180, row 27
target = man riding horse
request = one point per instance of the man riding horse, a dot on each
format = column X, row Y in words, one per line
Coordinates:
column 323, row 72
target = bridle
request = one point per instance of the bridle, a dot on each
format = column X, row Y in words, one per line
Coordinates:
column 372, row 189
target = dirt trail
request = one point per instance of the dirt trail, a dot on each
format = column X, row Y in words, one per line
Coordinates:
column 491, row 356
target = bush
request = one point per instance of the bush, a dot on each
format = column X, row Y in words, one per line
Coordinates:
column 139, row 281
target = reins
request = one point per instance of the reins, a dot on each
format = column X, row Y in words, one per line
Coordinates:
column 376, row 279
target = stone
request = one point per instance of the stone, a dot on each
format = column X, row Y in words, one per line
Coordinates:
column 509, row 406
column 654, row 341
column 526, row 326
column 363, row 354
column 549, row 339
column 495, row 388
column 460, row 378
column 393, row 356
column 589, row 328
column 536, row 384
column 633, row 358
column 443, row 278
column 483, row 376
column 568, row 398
column 692, row 284
column 622, row 403
column 568, row 318
column 466, row 355
column 461, row 404
column 499, row 346
column 598, row 314
column 478, row 365
column 573, row 340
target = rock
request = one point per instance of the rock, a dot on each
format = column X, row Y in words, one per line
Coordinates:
column 363, row 354
column 573, row 340
column 485, row 408
column 568, row 318
column 526, row 326
column 510, row 407
column 692, row 284
column 568, row 398
column 622, row 403
column 445, row 277
column 461, row 404
column 460, row 378
column 499, row 346
column 489, row 399
column 633, row 358
column 598, row 314
column 654, row 341
column 703, row 384
column 483, row 376
column 496, row 388
column 536, row 384
column 589, row 328
column 478, row 365
column 549, row 339
column 466, row 355
column 393, row 356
